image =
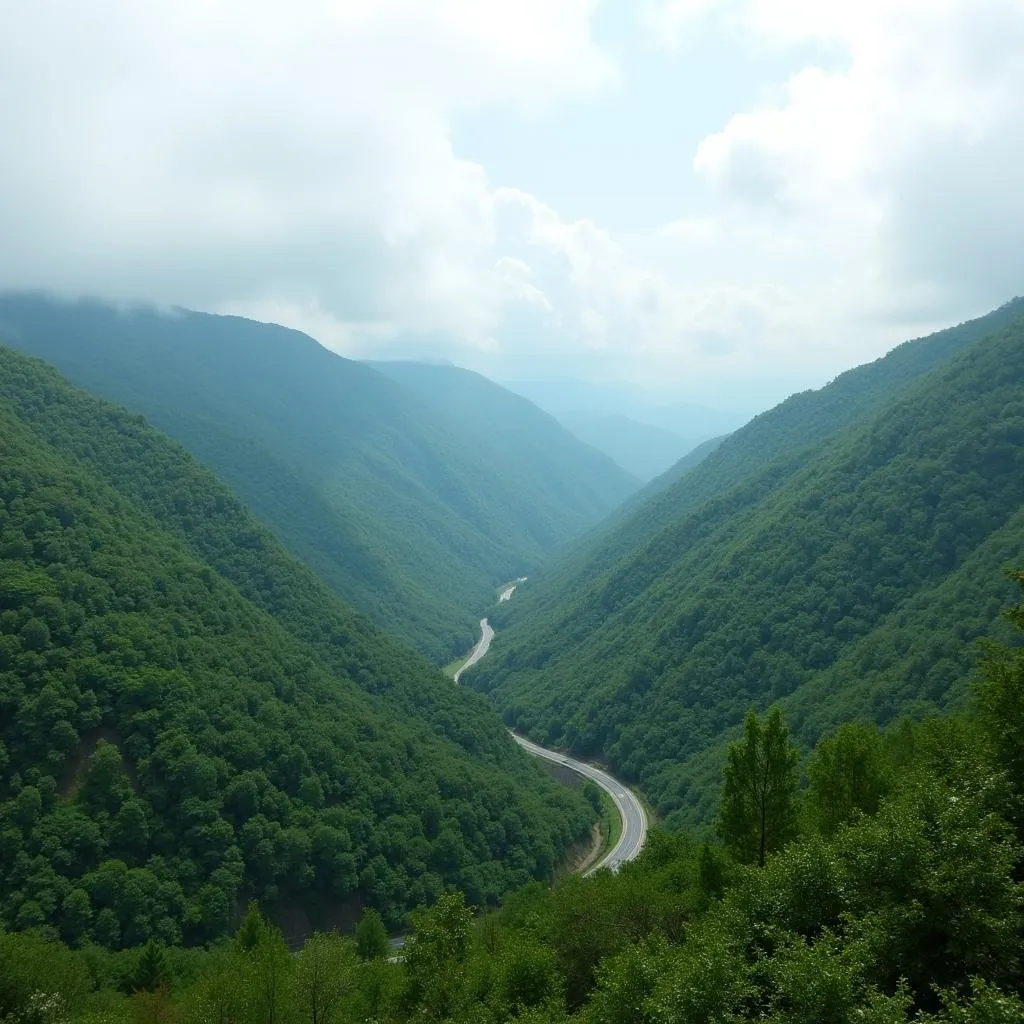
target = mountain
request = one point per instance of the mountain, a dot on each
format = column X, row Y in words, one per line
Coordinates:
column 404, row 511
column 818, row 575
column 690, row 419
column 567, row 397
column 533, row 450
column 643, row 450
column 781, row 438
column 188, row 715
column 687, row 464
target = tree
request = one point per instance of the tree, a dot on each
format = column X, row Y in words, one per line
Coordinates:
column 848, row 774
column 1001, row 700
column 435, row 957
column 272, row 970
column 371, row 936
column 324, row 974
column 106, row 785
column 151, row 970
column 251, row 930
column 76, row 914
column 758, row 814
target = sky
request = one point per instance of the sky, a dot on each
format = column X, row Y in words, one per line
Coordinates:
column 716, row 201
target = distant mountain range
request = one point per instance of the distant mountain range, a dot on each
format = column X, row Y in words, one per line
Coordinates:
column 644, row 436
column 643, row 450
column 412, row 502
column 562, row 396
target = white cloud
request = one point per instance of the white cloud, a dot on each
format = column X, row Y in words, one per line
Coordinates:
column 666, row 20
column 218, row 153
column 295, row 162
column 881, row 193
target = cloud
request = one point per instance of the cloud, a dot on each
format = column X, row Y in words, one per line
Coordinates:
column 296, row 162
column 666, row 20
column 907, row 153
column 225, row 154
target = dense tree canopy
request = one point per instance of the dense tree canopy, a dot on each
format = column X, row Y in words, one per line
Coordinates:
column 909, row 910
column 187, row 715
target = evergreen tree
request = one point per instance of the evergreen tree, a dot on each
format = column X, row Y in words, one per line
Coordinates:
column 758, row 813
column 151, row 971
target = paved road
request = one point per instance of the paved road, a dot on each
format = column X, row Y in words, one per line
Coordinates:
column 634, row 817
column 486, row 636
column 506, row 594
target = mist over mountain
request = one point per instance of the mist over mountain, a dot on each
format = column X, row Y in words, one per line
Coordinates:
column 408, row 511
column 565, row 396
column 644, row 450
column 528, row 445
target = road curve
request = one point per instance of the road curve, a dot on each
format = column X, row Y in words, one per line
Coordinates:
column 631, row 811
column 634, row 817
column 486, row 636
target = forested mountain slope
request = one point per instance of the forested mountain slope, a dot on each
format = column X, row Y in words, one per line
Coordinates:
column 844, row 586
column 533, row 450
column 189, row 715
column 392, row 502
column 781, row 438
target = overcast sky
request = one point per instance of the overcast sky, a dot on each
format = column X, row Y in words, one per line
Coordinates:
column 722, row 200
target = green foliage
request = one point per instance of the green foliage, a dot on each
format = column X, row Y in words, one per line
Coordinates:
column 848, row 775
column 910, row 911
column 204, row 720
column 834, row 557
column 325, row 977
column 1001, row 700
column 371, row 936
column 435, row 956
column 412, row 500
column 758, row 813
column 151, row 971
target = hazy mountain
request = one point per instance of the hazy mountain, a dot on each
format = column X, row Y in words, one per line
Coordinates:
column 687, row 464
column 813, row 559
column 643, row 450
column 402, row 508
column 527, row 444
column 566, row 397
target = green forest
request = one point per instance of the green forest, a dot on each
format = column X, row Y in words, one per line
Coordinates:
column 878, row 882
column 411, row 499
column 843, row 581
column 190, row 718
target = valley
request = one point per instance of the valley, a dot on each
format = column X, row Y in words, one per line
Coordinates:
column 630, row 810
column 808, row 561
column 512, row 513
column 205, row 749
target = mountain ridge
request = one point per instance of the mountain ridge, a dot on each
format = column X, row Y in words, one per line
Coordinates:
column 236, row 729
column 385, row 496
column 730, row 601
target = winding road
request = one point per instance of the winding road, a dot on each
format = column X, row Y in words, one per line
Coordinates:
column 486, row 636
column 631, row 811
